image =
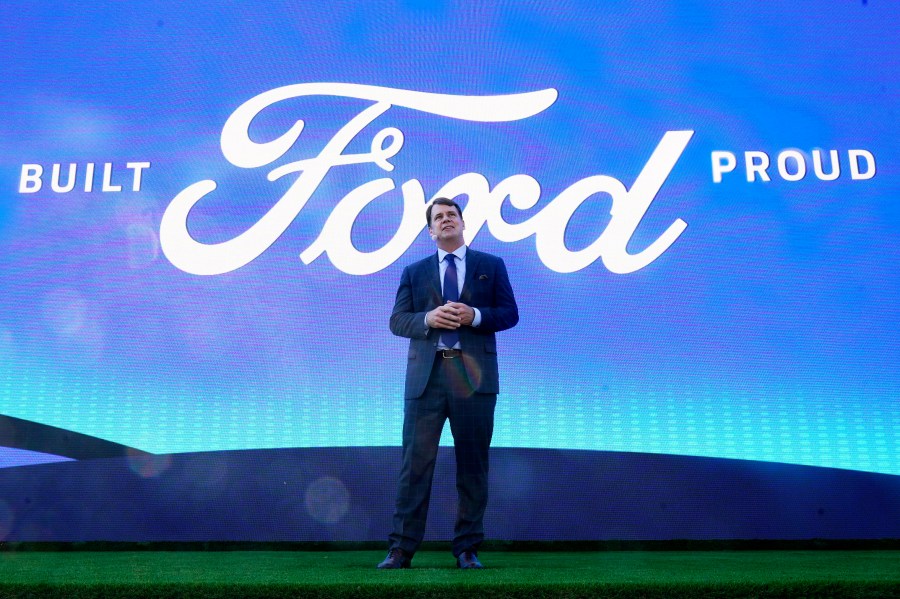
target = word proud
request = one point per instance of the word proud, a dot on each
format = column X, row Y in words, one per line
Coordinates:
column 628, row 206
column 792, row 165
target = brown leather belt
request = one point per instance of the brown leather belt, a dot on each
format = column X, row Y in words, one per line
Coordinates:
column 449, row 353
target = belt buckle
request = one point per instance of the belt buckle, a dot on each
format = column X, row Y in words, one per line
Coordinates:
column 450, row 353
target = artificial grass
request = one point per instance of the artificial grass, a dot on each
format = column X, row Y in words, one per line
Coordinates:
column 625, row 574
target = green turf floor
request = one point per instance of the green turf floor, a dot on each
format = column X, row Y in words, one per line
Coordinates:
column 507, row 574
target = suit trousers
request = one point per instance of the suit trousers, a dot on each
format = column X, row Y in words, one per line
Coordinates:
column 448, row 394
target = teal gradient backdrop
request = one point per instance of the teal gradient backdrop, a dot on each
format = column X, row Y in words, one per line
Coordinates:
column 767, row 331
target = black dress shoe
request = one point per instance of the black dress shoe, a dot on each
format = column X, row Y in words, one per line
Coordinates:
column 396, row 559
column 468, row 560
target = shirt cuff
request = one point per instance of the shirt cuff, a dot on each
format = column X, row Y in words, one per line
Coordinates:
column 477, row 320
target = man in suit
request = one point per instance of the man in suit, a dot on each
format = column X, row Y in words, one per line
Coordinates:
column 450, row 305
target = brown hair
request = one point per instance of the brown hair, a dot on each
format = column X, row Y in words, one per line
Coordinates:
column 442, row 202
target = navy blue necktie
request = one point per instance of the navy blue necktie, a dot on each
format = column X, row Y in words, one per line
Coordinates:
column 451, row 294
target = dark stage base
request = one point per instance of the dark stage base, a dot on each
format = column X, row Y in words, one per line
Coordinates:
column 347, row 494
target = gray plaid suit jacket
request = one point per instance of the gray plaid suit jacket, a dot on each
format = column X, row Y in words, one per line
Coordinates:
column 486, row 287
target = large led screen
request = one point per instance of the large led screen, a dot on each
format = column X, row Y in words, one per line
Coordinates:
column 206, row 209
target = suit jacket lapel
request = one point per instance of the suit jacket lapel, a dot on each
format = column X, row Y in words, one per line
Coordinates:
column 472, row 260
column 434, row 278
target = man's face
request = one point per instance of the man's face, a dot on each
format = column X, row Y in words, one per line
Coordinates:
column 447, row 226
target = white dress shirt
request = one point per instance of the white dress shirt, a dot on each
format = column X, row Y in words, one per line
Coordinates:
column 460, row 258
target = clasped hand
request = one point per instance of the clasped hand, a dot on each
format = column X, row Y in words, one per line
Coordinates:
column 451, row 315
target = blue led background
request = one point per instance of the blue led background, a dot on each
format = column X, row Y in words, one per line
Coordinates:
column 767, row 332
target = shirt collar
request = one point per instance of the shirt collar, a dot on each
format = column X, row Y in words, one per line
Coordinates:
column 460, row 253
